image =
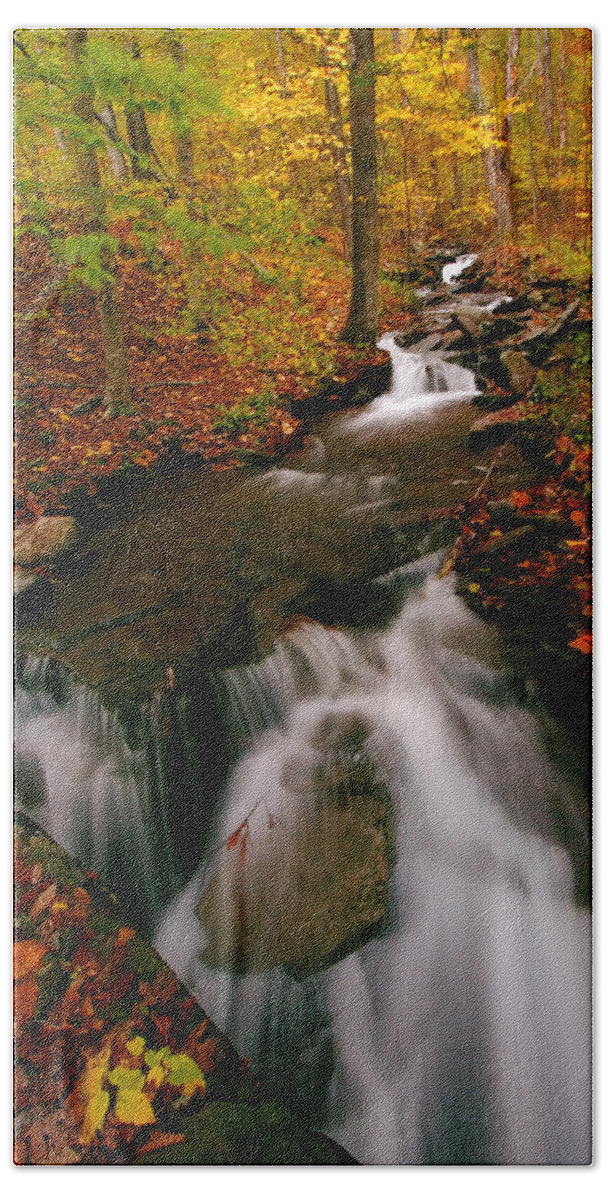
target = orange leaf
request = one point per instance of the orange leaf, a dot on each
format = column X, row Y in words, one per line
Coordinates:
column 124, row 935
column 27, row 957
column 578, row 518
column 45, row 899
column 25, row 999
column 158, row 1140
column 520, row 499
column 583, row 642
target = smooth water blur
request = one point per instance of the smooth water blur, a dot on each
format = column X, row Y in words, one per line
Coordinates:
column 420, row 383
column 459, row 1031
column 101, row 798
column 462, row 1033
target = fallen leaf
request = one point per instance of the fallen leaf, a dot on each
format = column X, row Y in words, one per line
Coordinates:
column 27, row 957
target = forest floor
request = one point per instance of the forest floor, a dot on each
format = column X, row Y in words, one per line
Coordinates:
column 190, row 395
column 115, row 1061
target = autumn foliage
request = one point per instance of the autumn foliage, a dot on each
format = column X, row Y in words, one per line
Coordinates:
column 110, row 1048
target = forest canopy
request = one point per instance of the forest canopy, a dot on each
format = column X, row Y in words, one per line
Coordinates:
column 194, row 188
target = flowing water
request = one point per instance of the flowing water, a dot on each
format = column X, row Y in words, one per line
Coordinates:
column 453, row 1026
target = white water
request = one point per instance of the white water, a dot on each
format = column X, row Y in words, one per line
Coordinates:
column 463, row 1033
column 451, row 271
column 98, row 797
column 420, row 383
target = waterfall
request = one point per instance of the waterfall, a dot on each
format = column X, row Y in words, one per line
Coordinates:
column 452, row 270
column 101, row 797
column 384, row 918
column 461, row 1032
column 421, row 382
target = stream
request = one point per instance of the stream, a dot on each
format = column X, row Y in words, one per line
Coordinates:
column 372, row 889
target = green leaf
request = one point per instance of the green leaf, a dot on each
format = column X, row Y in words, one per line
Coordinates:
column 183, row 1070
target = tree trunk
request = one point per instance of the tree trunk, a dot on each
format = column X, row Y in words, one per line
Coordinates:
column 138, row 134
column 495, row 161
column 338, row 154
column 561, row 94
column 117, row 159
column 117, row 388
column 363, row 317
column 543, row 64
column 407, row 158
column 511, row 87
column 140, row 143
column 182, row 137
column 283, row 77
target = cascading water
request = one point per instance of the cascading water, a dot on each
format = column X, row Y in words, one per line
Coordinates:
column 421, row 382
column 453, row 270
column 385, row 919
column 99, row 797
column 461, row 1033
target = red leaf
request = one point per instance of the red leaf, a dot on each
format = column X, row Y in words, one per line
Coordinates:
column 243, row 850
column 583, row 643
column 158, row 1140
column 520, row 499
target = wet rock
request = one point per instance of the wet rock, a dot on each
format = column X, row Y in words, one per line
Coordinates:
column 521, row 372
column 408, row 341
column 452, row 338
column 46, row 538
column 537, row 342
column 308, row 889
column 297, row 905
column 500, row 327
column 470, row 318
column 334, row 394
column 22, row 580
column 494, row 428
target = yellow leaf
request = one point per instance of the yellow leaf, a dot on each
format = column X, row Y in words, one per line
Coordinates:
column 156, row 1075
column 136, row 1046
column 132, row 1107
column 94, row 1116
column 97, row 1097
column 474, row 587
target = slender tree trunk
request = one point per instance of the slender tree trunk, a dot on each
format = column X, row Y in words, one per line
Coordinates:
column 406, row 158
column 138, row 134
column 363, row 317
column 561, row 94
column 282, row 75
column 511, row 89
column 182, row 137
column 457, row 181
column 118, row 162
column 117, row 389
column 547, row 87
column 494, row 161
column 338, row 154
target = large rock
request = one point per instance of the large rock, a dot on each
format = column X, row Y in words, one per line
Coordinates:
column 470, row 318
column 46, row 538
column 538, row 342
column 521, row 372
column 303, row 889
column 494, row 428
